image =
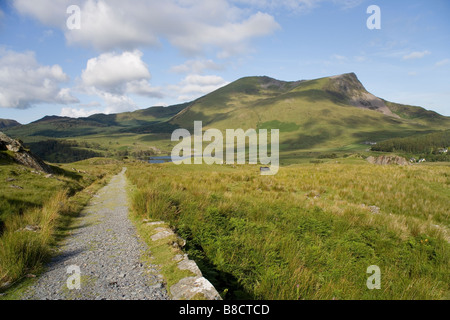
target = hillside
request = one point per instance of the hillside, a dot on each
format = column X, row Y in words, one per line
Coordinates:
column 13, row 151
column 333, row 113
column 8, row 123
column 314, row 116
column 65, row 127
column 64, row 139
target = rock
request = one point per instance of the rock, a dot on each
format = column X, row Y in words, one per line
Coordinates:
column 155, row 223
column 32, row 228
column 385, row 160
column 15, row 187
column 179, row 243
column 179, row 257
column 190, row 287
column 190, row 265
column 21, row 155
column 6, row 143
column 374, row 209
column 162, row 233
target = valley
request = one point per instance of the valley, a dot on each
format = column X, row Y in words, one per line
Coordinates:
column 315, row 117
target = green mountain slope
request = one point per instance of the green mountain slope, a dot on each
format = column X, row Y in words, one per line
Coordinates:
column 65, row 127
column 8, row 123
column 333, row 113
column 327, row 114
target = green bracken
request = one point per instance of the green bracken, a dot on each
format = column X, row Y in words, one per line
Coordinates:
column 309, row 232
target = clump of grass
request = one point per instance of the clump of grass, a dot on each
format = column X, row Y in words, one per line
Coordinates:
column 311, row 231
column 27, row 241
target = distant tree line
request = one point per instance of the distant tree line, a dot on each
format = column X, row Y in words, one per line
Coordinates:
column 431, row 145
column 143, row 154
column 65, row 151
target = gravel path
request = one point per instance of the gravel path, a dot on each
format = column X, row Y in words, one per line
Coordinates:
column 105, row 247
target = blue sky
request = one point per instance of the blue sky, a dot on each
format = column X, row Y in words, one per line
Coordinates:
column 135, row 54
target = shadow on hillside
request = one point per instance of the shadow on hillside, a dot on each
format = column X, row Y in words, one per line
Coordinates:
column 66, row 173
column 190, row 116
column 304, row 141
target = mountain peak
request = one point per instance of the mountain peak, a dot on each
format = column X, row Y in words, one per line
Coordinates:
column 50, row 118
column 349, row 87
column 345, row 75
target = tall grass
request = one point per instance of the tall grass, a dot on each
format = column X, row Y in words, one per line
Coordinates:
column 35, row 218
column 21, row 250
column 311, row 231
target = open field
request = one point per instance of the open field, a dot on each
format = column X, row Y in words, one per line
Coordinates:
column 309, row 232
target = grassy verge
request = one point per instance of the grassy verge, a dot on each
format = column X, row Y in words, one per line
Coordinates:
column 36, row 211
column 311, row 231
column 162, row 252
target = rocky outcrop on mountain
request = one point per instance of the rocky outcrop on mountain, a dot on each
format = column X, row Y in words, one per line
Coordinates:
column 354, row 92
column 21, row 155
column 384, row 160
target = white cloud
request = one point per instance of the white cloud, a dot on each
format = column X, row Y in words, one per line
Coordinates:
column 231, row 38
column 416, row 55
column 77, row 113
column 114, row 77
column 194, row 86
column 191, row 26
column 143, row 88
column 296, row 6
column 112, row 72
column 25, row 83
column 49, row 12
column 443, row 63
column 90, row 104
column 118, row 103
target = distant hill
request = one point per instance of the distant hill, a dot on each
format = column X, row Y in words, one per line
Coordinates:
column 7, row 123
column 328, row 114
column 66, row 127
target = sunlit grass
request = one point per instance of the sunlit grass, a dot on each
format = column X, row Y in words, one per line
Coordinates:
column 309, row 232
column 33, row 219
